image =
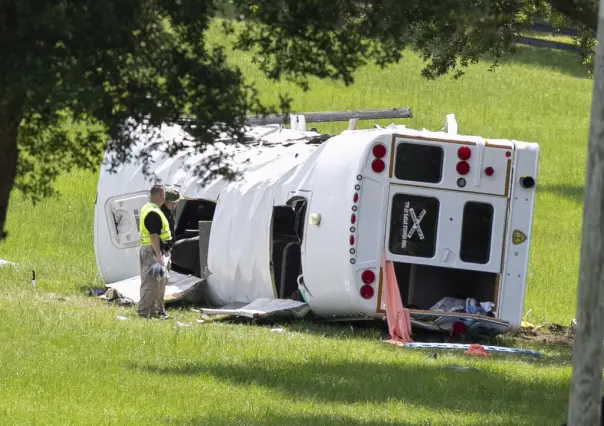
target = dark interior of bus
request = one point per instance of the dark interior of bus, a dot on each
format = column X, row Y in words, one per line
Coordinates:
column 185, row 251
column 422, row 286
column 286, row 239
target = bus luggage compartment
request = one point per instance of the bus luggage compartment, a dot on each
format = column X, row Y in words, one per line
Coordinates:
column 437, row 297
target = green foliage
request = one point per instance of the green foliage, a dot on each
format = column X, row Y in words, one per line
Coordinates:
column 103, row 64
column 578, row 14
column 291, row 41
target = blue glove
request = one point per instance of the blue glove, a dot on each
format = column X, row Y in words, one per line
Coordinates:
column 157, row 271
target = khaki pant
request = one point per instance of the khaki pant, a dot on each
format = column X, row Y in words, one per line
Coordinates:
column 152, row 302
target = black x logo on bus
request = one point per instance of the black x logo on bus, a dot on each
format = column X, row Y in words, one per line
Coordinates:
column 416, row 221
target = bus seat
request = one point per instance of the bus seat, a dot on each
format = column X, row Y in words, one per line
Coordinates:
column 291, row 265
column 185, row 254
column 192, row 212
column 277, row 257
column 187, row 233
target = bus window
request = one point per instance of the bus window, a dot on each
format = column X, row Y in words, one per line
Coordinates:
column 413, row 225
column 419, row 163
column 476, row 233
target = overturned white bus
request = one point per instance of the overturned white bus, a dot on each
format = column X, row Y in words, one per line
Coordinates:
column 313, row 215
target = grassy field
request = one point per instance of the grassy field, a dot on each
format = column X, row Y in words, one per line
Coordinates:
column 68, row 360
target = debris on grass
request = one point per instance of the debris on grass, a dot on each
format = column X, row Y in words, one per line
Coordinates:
column 277, row 330
column 121, row 318
column 526, row 324
column 5, row 263
column 112, row 295
column 54, row 296
column 200, row 321
column 459, row 368
column 183, row 324
column 488, row 348
column 477, row 350
column 548, row 334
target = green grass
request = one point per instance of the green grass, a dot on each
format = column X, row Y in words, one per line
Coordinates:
column 71, row 362
column 67, row 360
column 560, row 38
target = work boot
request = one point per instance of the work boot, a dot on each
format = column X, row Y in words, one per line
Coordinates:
column 165, row 316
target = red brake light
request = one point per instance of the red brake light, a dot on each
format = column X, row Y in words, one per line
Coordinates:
column 352, row 240
column 378, row 165
column 355, row 198
column 464, row 153
column 368, row 277
column 489, row 171
column 379, row 150
column 353, row 219
column 463, row 168
column 366, row 291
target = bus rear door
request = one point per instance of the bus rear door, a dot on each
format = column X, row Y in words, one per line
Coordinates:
column 446, row 225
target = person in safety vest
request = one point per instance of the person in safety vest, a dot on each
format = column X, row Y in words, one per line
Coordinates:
column 156, row 240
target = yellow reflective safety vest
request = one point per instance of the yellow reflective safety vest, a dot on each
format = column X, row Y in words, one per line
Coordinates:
column 165, row 234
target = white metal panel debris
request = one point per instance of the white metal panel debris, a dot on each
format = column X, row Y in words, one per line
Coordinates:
column 262, row 308
column 178, row 287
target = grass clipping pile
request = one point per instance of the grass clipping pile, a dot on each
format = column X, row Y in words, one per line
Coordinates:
column 547, row 334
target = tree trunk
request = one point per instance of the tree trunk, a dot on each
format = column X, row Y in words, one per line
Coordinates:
column 9, row 127
column 586, row 383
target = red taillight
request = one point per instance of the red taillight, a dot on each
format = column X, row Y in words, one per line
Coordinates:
column 508, row 154
column 379, row 151
column 368, row 277
column 352, row 240
column 464, row 153
column 378, row 165
column 355, row 198
column 489, row 171
column 463, row 168
column 353, row 219
column 366, row 291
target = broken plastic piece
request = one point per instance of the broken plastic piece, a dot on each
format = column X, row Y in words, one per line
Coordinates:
column 526, row 324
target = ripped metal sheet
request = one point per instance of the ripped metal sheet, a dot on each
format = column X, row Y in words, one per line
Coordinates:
column 428, row 345
column 263, row 308
column 179, row 286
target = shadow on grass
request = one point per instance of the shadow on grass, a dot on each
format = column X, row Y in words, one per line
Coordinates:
column 294, row 419
column 568, row 63
column 374, row 331
column 479, row 392
column 569, row 192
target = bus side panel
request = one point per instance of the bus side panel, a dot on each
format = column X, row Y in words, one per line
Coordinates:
column 518, row 236
column 325, row 261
